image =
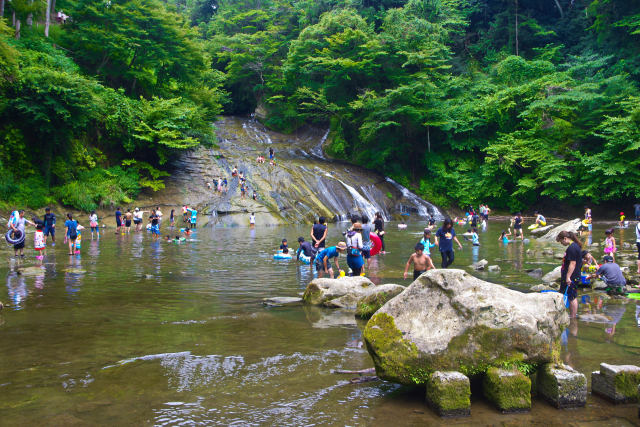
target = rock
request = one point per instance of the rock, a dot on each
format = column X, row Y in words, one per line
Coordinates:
column 618, row 383
column 369, row 304
column 541, row 287
column 480, row 265
column 494, row 268
column 547, row 251
column 598, row 285
column 626, row 245
column 572, row 225
column 562, row 386
column 536, row 272
column 449, row 320
column 552, row 276
column 558, row 255
column 541, row 230
column 345, row 292
column 1, row 305
column 508, row 389
column 448, row 393
column 625, row 270
column 595, row 244
column 280, row 301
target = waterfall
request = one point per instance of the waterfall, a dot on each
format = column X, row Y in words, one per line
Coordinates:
column 362, row 204
column 317, row 150
column 425, row 209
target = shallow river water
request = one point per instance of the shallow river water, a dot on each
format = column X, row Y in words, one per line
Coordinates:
column 135, row 332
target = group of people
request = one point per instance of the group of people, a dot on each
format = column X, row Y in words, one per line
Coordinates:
column 219, row 184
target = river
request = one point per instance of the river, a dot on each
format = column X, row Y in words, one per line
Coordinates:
column 135, row 331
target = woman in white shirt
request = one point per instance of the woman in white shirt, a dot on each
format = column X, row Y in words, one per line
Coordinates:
column 354, row 249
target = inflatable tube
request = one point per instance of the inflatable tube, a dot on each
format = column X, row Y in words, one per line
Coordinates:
column 402, row 226
column 377, row 244
column 305, row 259
column 14, row 237
column 533, row 226
column 280, row 255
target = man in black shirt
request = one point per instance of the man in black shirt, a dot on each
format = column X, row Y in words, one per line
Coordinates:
column 49, row 220
column 570, row 270
column 307, row 249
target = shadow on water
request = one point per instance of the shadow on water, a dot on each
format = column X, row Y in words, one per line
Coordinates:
column 135, row 331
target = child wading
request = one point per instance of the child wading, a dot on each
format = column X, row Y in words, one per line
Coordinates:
column 420, row 261
column 610, row 243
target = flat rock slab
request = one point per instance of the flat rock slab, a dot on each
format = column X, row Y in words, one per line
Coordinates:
column 572, row 225
column 618, row 383
column 508, row 389
column 449, row 394
column 280, row 301
column 562, row 386
column 448, row 320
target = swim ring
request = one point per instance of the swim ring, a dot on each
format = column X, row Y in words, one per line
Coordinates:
column 14, row 237
column 305, row 259
column 281, row 255
column 377, row 244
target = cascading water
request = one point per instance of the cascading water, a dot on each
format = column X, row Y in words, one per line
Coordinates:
column 425, row 209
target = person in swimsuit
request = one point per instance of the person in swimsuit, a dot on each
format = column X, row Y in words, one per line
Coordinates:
column 610, row 244
column 18, row 225
column 504, row 237
column 172, row 220
column 421, row 262
column 307, row 249
column 128, row 217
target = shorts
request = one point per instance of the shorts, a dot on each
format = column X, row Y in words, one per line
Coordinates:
column 572, row 293
column 127, row 223
column 155, row 229
column 94, row 229
column 19, row 246
column 609, row 250
column 417, row 273
column 366, row 253
column 517, row 227
column 320, row 265
column 118, row 222
column 50, row 230
column 137, row 221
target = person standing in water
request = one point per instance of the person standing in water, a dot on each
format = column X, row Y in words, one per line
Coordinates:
column 49, row 226
column 71, row 234
column 252, row 220
column 18, row 225
column 354, row 249
column 118, row 221
column 610, row 243
column 517, row 226
column 93, row 223
column 172, row 219
column 638, row 243
column 587, row 218
column 378, row 227
column 421, row 262
column 444, row 239
column 570, row 271
column 323, row 259
column 319, row 233
column 367, row 244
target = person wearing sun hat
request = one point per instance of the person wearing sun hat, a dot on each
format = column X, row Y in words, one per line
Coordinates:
column 323, row 260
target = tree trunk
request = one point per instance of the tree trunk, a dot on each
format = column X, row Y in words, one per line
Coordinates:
column 53, row 8
column 517, row 28
column 1, row 8
column 13, row 19
column 17, row 29
column 428, row 139
column 47, row 19
column 30, row 19
column 560, row 8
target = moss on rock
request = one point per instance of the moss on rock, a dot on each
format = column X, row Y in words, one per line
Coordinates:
column 509, row 390
column 313, row 294
column 368, row 305
column 449, row 394
column 562, row 386
column 626, row 385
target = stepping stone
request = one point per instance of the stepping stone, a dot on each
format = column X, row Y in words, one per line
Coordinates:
column 508, row 389
column 280, row 301
column 618, row 383
column 562, row 386
column 449, row 394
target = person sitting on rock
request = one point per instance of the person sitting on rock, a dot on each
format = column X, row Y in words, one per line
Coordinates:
column 421, row 262
column 611, row 275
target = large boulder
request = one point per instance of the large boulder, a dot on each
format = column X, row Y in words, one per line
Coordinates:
column 345, row 292
column 448, row 320
column 572, row 225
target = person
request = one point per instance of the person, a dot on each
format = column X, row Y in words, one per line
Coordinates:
column 208, row 187
column 323, row 259
column 426, row 242
column 272, row 155
column 636, row 209
column 284, row 246
column 378, row 227
column 307, row 249
column 444, row 239
column 172, row 219
column 159, row 214
column 194, row 217
column 367, row 244
column 49, row 226
column 611, row 274
column 137, row 218
column 432, row 223
column 421, row 262
column 93, row 223
column 609, row 243
column 185, row 211
column 155, row 229
column 354, row 249
column 38, row 238
column 243, row 190
column 487, row 211
column 541, row 221
column 319, row 233
column 225, row 184
column 17, row 224
column 252, row 220
column 234, row 171
column 128, row 217
column 475, row 239
column 504, row 237
column 71, row 234
column 571, row 268
column 517, row 225
column 638, row 243
column 255, row 195
column 587, row 218
column 118, row 221
column 622, row 218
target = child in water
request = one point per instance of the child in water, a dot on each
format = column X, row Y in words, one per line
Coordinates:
column 609, row 243
column 38, row 238
column 284, row 247
column 622, row 217
column 504, row 237
column 421, row 262
column 426, row 242
column 475, row 239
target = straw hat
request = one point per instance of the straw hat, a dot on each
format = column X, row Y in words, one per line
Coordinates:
column 341, row 246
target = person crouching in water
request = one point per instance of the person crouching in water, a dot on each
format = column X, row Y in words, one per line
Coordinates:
column 421, row 262
column 571, row 268
column 354, row 249
column 323, row 259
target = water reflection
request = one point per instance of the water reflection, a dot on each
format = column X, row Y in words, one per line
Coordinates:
column 17, row 289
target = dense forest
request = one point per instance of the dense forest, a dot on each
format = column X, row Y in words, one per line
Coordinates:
column 464, row 101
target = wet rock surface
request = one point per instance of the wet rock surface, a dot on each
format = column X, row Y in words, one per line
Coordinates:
column 550, row 236
column 449, row 320
column 618, row 383
column 562, row 386
column 448, row 393
column 348, row 292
